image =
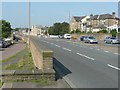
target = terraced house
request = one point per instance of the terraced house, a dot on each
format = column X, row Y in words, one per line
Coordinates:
column 95, row 23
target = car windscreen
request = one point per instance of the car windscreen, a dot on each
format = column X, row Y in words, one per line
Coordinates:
column 91, row 38
column 113, row 38
column 67, row 35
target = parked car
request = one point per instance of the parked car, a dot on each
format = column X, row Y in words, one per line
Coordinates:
column 82, row 38
column 67, row 36
column 61, row 36
column 90, row 39
column 1, row 44
column 111, row 40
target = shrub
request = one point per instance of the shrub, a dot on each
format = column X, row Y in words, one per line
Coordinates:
column 103, row 31
column 77, row 31
column 113, row 32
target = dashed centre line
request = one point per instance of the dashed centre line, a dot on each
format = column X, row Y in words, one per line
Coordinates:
column 57, row 46
column 113, row 67
column 106, row 51
column 85, row 56
column 67, row 49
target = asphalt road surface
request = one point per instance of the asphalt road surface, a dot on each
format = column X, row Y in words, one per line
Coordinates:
column 84, row 66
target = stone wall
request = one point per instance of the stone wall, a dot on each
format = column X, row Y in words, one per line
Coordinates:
column 42, row 56
column 98, row 36
column 23, row 75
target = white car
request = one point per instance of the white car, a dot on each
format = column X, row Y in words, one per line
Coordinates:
column 67, row 36
column 112, row 40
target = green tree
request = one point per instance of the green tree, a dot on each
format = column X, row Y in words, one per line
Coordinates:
column 113, row 32
column 59, row 29
column 78, row 31
column 50, row 30
column 6, row 29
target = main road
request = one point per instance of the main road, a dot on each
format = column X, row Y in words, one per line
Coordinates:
column 83, row 66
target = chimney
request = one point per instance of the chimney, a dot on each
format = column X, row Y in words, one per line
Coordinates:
column 113, row 14
column 91, row 15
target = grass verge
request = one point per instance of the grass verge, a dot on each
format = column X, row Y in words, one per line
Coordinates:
column 1, row 83
column 24, row 63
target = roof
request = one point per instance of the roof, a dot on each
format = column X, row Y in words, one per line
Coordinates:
column 77, row 18
column 40, row 27
column 102, row 17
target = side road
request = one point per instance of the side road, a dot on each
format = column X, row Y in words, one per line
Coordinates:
column 10, row 51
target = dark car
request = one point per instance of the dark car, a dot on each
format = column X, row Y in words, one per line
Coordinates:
column 82, row 38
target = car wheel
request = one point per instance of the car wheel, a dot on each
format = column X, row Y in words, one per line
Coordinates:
column 111, row 42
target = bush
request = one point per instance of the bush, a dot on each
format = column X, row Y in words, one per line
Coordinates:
column 103, row 31
column 78, row 31
column 113, row 32
column 72, row 32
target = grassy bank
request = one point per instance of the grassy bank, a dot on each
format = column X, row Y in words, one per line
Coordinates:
column 24, row 63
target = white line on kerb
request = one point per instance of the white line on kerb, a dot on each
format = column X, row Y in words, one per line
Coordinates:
column 67, row 49
column 113, row 67
column 85, row 56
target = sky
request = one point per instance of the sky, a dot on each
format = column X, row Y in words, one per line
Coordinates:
column 47, row 13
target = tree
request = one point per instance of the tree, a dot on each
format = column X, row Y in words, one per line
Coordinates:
column 113, row 32
column 6, row 29
column 78, row 31
column 59, row 29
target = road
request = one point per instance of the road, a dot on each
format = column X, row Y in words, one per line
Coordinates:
column 83, row 66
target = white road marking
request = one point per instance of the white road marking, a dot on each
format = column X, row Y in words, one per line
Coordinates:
column 106, row 51
column 67, row 49
column 91, row 48
column 51, row 43
column 57, row 46
column 113, row 67
column 116, row 53
column 85, row 56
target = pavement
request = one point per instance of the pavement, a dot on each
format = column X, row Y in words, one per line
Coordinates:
column 84, row 66
column 12, row 50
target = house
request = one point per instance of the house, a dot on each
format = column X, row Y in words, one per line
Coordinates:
column 38, row 30
column 94, row 23
column 76, row 22
column 103, row 21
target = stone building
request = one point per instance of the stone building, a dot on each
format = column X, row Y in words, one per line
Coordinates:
column 94, row 23
column 38, row 30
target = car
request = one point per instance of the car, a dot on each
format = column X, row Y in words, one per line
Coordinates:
column 90, row 39
column 1, row 44
column 61, row 36
column 111, row 40
column 67, row 36
column 82, row 38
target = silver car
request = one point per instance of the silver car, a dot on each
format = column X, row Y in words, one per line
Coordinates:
column 90, row 39
column 111, row 40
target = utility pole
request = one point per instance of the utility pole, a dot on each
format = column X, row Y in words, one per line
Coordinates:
column 69, row 20
column 28, row 22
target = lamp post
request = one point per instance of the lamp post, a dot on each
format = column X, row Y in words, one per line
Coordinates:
column 28, row 22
